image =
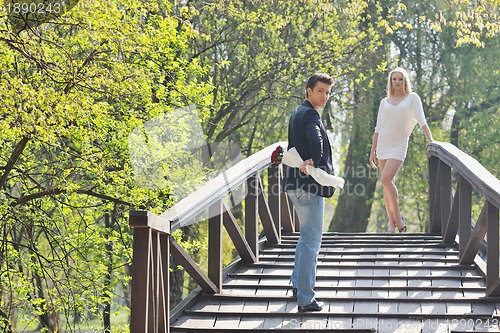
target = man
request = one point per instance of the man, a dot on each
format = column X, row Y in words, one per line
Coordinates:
column 307, row 134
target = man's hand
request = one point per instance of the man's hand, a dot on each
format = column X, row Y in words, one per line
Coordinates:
column 302, row 167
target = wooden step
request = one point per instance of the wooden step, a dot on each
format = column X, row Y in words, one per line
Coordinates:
column 368, row 282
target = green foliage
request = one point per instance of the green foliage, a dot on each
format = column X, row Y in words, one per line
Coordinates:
column 262, row 53
column 72, row 90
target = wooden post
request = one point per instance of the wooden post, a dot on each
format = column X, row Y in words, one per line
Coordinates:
column 252, row 215
column 150, row 307
column 140, row 316
column 449, row 232
column 273, row 195
column 433, row 195
column 464, row 213
column 161, row 282
column 215, row 244
column 492, row 276
column 286, row 214
column 444, row 195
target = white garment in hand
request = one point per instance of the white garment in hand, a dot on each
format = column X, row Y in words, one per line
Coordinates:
column 292, row 159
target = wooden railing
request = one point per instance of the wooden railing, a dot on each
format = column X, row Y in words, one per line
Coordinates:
column 451, row 213
column 153, row 243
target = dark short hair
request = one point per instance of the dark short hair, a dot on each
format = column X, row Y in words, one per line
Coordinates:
column 321, row 77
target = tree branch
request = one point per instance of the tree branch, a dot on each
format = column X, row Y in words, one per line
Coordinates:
column 55, row 191
column 14, row 157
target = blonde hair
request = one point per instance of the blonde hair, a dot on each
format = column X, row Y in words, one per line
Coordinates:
column 406, row 82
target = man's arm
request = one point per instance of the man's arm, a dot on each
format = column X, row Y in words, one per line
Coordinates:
column 312, row 123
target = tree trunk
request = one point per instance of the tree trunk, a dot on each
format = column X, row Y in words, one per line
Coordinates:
column 354, row 206
column 106, row 312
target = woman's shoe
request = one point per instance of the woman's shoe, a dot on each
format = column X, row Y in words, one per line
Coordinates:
column 403, row 229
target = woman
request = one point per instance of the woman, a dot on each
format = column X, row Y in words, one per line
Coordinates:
column 398, row 114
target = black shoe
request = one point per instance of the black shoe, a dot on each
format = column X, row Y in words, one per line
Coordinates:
column 294, row 292
column 314, row 306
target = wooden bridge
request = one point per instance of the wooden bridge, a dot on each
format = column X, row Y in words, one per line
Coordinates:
column 445, row 280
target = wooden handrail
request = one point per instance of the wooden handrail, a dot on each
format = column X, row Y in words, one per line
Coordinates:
column 451, row 213
column 199, row 201
column 153, row 244
column 476, row 174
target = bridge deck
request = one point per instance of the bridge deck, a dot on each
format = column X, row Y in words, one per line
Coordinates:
column 369, row 283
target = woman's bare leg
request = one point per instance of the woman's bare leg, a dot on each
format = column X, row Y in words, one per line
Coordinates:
column 391, row 225
column 389, row 168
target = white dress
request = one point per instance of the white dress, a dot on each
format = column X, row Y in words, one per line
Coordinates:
column 395, row 124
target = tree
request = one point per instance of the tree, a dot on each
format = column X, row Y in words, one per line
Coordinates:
column 72, row 90
column 353, row 209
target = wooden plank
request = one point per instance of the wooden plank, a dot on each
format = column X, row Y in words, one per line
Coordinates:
column 435, row 326
column 421, row 294
column 449, row 283
column 434, row 204
column 231, row 305
column 212, row 305
column 471, row 246
column 365, row 323
column 183, row 259
column 286, row 214
column 197, row 321
column 458, row 308
column 276, row 306
column 401, row 283
column 433, row 308
column 380, row 283
column 215, row 244
column 226, row 322
column 272, row 292
column 464, row 215
column 251, row 322
column 266, row 216
column 388, row 325
column 366, row 307
column 450, row 230
column 339, row 323
column 141, row 276
column 483, row 309
column 296, row 219
column 410, row 308
column 492, row 268
column 273, row 195
column 255, row 306
column 444, row 192
column 409, row 326
column 236, row 235
column 420, row 283
column 272, row 322
column 341, row 307
column 251, row 215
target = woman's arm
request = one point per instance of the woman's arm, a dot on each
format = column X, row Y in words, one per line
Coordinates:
column 373, row 157
column 427, row 133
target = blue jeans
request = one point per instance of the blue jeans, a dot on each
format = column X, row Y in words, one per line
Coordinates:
column 310, row 210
